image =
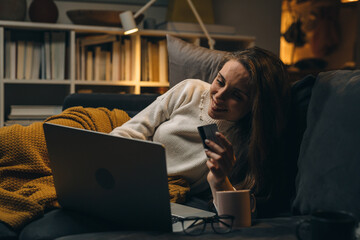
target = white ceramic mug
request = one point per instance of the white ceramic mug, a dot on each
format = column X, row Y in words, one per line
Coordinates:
column 240, row 204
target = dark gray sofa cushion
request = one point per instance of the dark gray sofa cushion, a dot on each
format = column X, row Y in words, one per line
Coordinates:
column 329, row 161
column 187, row 60
column 58, row 222
column 6, row 233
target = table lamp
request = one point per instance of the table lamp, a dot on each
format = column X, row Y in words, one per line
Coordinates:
column 129, row 25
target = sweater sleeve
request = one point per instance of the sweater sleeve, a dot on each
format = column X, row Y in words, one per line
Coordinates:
column 143, row 125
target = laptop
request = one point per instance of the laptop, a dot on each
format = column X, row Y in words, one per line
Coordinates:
column 118, row 179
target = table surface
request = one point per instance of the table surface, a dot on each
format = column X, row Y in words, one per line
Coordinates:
column 275, row 228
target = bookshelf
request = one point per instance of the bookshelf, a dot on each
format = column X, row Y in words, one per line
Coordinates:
column 42, row 63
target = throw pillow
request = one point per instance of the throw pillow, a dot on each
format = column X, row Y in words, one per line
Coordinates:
column 329, row 161
column 187, row 60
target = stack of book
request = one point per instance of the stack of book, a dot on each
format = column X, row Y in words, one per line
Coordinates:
column 28, row 114
column 113, row 58
column 154, row 60
column 104, row 58
column 35, row 56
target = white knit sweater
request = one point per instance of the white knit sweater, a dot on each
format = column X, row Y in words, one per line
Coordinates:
column 172, row 120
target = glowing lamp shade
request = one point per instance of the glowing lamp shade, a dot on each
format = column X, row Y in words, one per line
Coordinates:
column 348, row 1
column 128, row 22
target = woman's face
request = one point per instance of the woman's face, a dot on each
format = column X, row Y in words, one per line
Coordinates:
column 229, row 93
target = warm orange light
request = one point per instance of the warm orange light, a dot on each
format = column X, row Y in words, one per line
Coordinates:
column 348, row 1
column 131, row 31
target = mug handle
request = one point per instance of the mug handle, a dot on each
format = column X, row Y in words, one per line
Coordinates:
column 252, row 202
column 301, row 227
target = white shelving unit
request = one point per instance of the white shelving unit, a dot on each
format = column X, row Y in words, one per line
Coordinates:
column 52, row 92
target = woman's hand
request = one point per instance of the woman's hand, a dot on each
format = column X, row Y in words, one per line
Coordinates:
column 220, row 163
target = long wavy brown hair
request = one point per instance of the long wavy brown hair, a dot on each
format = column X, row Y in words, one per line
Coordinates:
column 270, row 95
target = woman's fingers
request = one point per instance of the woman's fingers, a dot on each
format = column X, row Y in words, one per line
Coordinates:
column 220, row 161
column 225, row 148
column 214, row 168
column 223, row 141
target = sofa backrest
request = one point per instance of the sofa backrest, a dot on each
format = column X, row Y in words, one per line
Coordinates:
column 130, row 103
column 329, row 161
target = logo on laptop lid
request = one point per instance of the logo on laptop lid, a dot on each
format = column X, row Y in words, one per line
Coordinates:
column 104, row 178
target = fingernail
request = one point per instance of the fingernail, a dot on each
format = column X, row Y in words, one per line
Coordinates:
column 217, row 133
column 207, row 141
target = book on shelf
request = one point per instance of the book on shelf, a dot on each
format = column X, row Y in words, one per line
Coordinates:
column 102, row 65
column 10, row 56
column 144, row 60
column 163, row 62
column 58, row 55
column 135, row 53
column 97, row 63
column 122, row 63
column 43, row 63
column 28, row 112
column 20, row 58
column 36, row 62
column 108, row 66
column 82, row 63
column 7, row 38
column 116, row 57
column 150, row 58
column 78, row 60
column 47, row 47
column 89, row 66
column 29, row 54
column 155, row 61
column 128, row 59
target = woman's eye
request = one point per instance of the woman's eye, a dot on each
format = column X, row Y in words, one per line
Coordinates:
column 220, row 82
column 238, row 96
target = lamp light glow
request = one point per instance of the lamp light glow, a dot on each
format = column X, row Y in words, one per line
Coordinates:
column 128, row 32
column 348, row 1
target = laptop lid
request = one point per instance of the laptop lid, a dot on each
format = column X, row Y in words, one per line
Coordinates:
column 118, row 179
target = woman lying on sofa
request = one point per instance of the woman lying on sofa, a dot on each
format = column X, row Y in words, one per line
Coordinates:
column 249, row 101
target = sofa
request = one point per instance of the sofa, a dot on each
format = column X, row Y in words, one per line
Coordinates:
column 321, row 171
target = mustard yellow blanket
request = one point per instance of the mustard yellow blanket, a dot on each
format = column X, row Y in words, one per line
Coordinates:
column 26, row 183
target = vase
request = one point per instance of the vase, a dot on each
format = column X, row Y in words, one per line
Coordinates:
column 44, row 11
column 13, row 10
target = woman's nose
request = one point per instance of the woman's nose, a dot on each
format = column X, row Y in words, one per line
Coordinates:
column 221, row 94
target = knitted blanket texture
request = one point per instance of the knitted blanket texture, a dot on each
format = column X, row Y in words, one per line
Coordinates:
column 26, row 183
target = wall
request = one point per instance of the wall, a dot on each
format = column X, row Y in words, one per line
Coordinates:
column 259, row 18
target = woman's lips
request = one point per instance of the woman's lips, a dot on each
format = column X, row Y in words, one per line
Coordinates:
column 216, row 108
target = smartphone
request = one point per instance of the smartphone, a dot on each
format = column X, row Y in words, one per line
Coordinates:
column 208, row 132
